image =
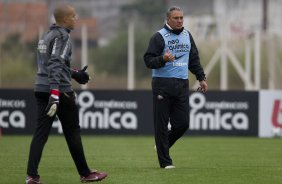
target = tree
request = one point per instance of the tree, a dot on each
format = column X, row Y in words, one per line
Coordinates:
column 18, row 59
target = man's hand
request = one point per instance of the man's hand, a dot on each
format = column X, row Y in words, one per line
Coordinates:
column 81, row 76
column 168, row 57
column 203, row 86
column 53, row 103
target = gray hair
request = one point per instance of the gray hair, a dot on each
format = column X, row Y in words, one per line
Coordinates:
column 172, row 9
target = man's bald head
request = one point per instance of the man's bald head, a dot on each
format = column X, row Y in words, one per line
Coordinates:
column 61, row 12
column 65, row 16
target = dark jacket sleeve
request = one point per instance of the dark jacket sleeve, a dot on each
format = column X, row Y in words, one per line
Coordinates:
column 56, row 62
column 153, row 57
column 194, row 61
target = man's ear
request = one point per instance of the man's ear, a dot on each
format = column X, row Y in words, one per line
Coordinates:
column 65, row 19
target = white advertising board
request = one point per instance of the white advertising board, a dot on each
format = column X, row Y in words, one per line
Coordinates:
column 270, row 113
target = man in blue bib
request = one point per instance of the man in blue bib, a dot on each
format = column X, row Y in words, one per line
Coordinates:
column 170, row 54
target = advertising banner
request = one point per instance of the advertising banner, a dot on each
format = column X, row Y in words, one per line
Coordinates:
column 100, row 112
column 17, row 111
column 224, row 113
column 115, row 112
column 270, row 114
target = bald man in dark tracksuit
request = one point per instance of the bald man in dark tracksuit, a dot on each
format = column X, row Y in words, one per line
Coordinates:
column 55, row 96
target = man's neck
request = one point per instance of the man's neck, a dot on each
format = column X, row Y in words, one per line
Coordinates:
column 172, row 30
column 168, row 26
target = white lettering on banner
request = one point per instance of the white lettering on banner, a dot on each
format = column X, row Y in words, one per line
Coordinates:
column 86, row 100
column 107, row 114
column 105, row 120
column 15, row 118
column 216, row 119
column 12, row 103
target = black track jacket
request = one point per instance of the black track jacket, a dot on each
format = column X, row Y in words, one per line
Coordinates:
column 153, row 57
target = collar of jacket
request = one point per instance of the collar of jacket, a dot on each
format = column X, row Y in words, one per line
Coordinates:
column 55, row 26
column 177, row 31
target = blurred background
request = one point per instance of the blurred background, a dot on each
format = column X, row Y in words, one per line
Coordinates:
column 239, row 41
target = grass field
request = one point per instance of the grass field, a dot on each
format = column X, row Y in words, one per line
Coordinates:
column 132, row 160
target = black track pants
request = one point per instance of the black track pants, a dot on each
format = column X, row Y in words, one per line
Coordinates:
column 68, row 115
column 170, row 104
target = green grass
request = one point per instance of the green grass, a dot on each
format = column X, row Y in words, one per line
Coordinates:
column 132, row 160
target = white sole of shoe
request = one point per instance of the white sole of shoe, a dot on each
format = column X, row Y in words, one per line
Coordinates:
column 170, row 167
